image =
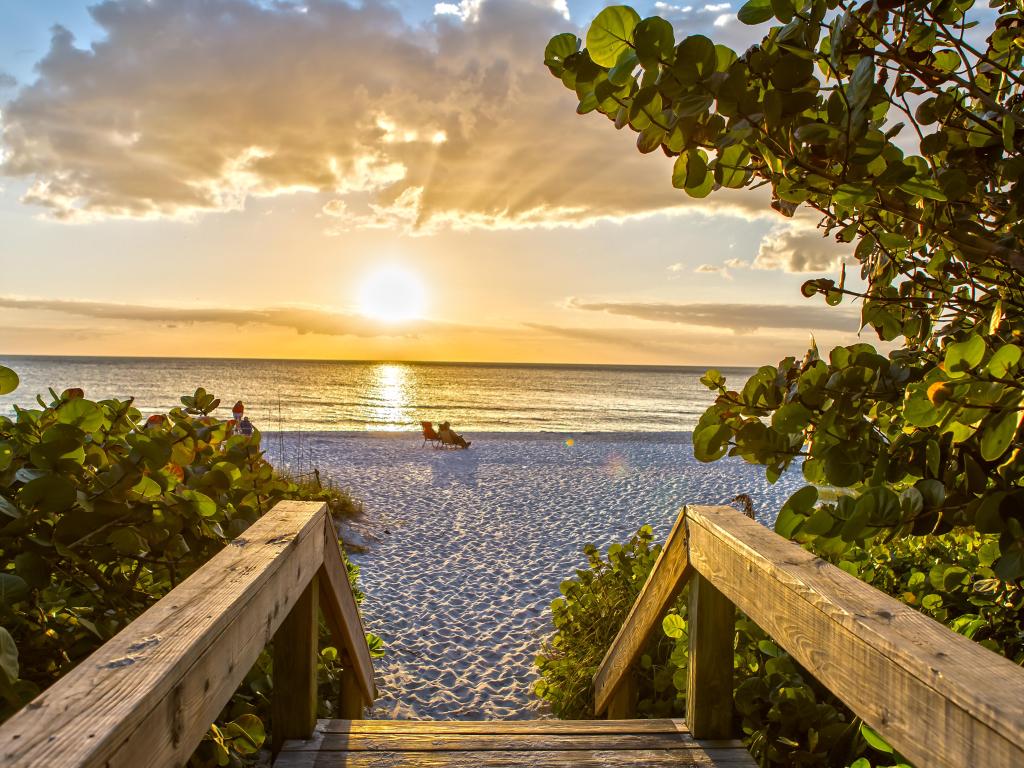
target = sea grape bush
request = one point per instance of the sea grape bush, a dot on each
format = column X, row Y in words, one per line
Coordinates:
column 102, row 513
column 900, row 126
column 786, row 717
column 586, row 619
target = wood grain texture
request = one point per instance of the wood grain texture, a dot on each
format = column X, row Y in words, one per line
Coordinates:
column 578, row 758
column 712, row 629
column 667, row 578
column 502, row 726
column 425, row 742
column 148, row 695
column 937, row 697
column 293, row 701
column 459, row 744
column 351, row 704
column 623, row 702
column 342, row 615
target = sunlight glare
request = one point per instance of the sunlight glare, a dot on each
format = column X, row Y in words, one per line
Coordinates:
column 392, row 295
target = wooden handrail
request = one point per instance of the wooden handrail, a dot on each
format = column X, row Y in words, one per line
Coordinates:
column 148, row 695
column 936, row 696
column 613, row 689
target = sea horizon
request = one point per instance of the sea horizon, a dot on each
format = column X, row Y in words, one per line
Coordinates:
column 352, row 395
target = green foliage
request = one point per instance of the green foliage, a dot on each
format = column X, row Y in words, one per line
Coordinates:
column 101, row 514
column 586, row 619
column 906, row 138
column 786, row 716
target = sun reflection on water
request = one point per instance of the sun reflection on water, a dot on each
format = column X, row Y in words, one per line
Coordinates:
column 390, row 397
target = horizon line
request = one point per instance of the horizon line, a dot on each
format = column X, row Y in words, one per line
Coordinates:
column 392, row 361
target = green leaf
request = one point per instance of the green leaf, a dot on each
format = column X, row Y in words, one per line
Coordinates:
column 12, row 589
column 246, row 733
column 560, row 47
column 1004, row 359
column 861, row 82
column 655, row 40
column 127, row 541
column 48, row 493
column 963, row 356
column 871, row 737
column 611, row 33
column 201, row 504
column 673, row 625
column 730, row 167
column 998, row 432
column 8, row 657
column 84, row 414
column 8, row 380
column 33, row 568
column 756, row 12
column 923, row 189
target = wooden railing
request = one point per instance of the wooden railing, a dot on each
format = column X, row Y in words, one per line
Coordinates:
column 937, row 697
column 147, row 696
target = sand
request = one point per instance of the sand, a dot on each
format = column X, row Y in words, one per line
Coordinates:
column 471, row 547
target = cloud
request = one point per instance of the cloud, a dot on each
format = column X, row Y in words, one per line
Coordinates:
column 7, row 81
column 740, row 318
column 631, row 339
column 799, row 247
column 303, row 320
column 714, row 269
column 191, row 106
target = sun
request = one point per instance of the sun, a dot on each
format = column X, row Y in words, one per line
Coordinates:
column 392, row 295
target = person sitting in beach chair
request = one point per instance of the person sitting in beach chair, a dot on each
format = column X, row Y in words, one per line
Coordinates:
column 429, row 435
column 450, row 438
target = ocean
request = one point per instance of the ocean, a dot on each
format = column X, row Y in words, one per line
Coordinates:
column 327, row 396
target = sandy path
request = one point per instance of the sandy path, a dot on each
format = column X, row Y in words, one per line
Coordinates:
column 478, row 541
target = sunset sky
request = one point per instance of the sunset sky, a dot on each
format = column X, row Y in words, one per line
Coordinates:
column 240, row 178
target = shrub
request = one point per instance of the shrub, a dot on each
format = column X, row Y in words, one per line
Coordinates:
column 899, row 126
column 101, row 514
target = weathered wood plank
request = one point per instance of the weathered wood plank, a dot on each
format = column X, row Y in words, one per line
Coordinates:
column 351, row 704
column 622, row 705
column 649, row 758
column 342, row 616
column 426, row 742
column 148, row 696
column 502, row 726
column 936, row 696
column 712, row 629
column 667, row 578
column 293, row 701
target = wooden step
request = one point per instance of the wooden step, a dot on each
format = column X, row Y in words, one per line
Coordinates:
column 491, row 743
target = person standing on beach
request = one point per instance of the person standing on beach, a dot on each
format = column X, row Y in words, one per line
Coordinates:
column 237, row 412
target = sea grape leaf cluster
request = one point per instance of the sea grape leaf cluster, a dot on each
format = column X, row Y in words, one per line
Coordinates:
column 901, row 127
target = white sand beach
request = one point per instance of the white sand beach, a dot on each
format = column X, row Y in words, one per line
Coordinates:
column 471, row 546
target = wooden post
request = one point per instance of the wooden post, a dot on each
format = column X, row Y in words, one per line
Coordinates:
column 622, row 705
column 712, row 620
column 293, row 706
column 351, row 705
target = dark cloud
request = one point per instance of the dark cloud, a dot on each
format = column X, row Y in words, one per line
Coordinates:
column 741, row 318
column 628, row 338
column 299, row 319
column 188, row 106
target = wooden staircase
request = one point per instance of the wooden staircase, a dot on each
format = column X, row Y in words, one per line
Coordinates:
column 146, row 698
column 526, row 743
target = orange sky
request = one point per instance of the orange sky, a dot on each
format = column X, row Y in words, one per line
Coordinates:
column 220, row 178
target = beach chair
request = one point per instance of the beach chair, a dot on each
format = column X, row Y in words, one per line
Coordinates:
column 429, row 435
